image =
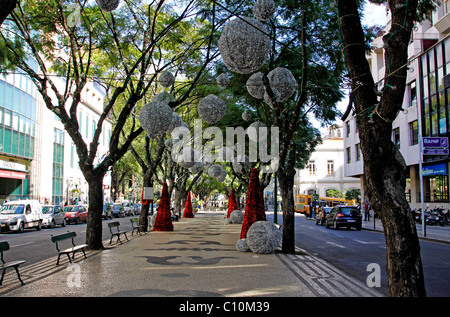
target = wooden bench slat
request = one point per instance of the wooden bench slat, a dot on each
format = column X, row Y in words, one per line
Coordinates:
column 73, row 249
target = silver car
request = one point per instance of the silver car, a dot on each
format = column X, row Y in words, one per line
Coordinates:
column 53, row 216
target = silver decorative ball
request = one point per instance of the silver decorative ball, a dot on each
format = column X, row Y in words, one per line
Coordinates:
column 263, row 10
column 196, row 168
column 255, row 85
column 236, row 216
column 166, row 79
column 156, row 118
column 247, row 115
column 211, row 109
column 187, row 157
column 214, row 171
column 222, row 176
column 270, row 102
column 282, row 80
column 176, row 121
column 163, row 97
column 242, row 246
column 244, row 45
column 168, row 143
column 242, row 164
column 222, row 80
column 263, row 237
column 108, row 5
column 254, row 132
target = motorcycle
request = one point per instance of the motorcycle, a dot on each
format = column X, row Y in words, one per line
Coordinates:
column 444, row 217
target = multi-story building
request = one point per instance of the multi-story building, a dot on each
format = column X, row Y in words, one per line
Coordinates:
column 425, row 110
column 325, row 169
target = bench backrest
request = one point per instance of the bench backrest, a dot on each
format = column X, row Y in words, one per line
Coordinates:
column 3, row 247
column 114, row 224
column 64, row 236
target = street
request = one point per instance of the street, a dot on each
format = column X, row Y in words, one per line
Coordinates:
column 352, row 251
column 348, row 250
column 34, row 246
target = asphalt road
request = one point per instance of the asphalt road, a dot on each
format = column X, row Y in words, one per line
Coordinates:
column 352, row 251
column 34, row 246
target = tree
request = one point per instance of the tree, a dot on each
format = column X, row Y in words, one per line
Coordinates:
column 121, row 50
column 384, row 167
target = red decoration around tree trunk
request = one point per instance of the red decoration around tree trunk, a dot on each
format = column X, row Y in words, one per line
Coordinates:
column 232, row 206
column 163, row 221
column 188, row 207
column 254, row 207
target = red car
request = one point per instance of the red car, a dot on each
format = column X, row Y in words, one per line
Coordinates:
column 75, row 214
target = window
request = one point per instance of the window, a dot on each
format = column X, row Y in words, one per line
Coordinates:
column 312, row 167
column 358, row 152
column 349, row 155
column 396, row 137
column 330, row 167
column 58, row 166
column 412, row 94
column 347, row 129
column 413, row 133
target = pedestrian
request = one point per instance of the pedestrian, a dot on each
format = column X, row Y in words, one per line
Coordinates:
column 366, row 211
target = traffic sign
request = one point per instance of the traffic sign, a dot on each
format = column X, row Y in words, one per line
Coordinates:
column 435, row 142
column 435, row 151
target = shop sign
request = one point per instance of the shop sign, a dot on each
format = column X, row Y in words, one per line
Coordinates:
column 437, row 169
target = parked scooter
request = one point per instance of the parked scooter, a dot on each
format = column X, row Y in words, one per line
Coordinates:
column 444, row 217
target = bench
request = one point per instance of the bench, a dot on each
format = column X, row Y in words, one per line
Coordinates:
column 116, row 232
column 4, row 246
column 73, row 249
column 136, row 226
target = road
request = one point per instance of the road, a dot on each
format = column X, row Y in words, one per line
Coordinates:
column 352, row 251
column 34, row 246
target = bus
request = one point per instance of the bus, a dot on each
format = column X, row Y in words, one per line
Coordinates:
column 303, row 203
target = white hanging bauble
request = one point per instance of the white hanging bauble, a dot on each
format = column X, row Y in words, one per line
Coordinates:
column 107, row 5
column 254, row 132
column 255, row 85
column 270, row 102
column 222, row 80
column 211, row 109
column 263, row 10
column 244, row 45
column 156, row 118
column 163, row 97
column 282, row 80
column 166, row 79
column 214, row 171
column 246, row 115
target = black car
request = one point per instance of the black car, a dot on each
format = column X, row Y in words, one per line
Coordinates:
column 322, row 214
column 107, row 212
column 344, row 216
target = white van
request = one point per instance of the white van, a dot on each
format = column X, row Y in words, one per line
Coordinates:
column 21, row 214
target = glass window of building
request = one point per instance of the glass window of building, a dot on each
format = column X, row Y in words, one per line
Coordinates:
column 58, row 166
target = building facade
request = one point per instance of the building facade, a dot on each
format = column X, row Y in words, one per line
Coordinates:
column 425, row 110
column 325, row 170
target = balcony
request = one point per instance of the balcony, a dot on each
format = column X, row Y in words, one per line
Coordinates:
column 443, row 25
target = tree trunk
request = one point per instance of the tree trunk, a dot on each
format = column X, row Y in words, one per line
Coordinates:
column 286, row 182
column 94, row 220
column 145, row 209
column 384, row 167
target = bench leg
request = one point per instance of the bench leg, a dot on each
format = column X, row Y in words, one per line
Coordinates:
column 18, row 274
column 3, row 274
column 126, row 236
column 68, row 256
column 57, row 261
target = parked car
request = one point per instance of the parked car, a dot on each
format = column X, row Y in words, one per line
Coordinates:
column 75, row 214
column 321, row 215
column 135, row 208
column 127, row 208
column 21, row 214
column 107, row 212
column 53, row 215
column 344, row 216
column 118, row 210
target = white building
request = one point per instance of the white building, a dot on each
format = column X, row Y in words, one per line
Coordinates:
column 425, row 107
column 325, row 170
column 56, row 175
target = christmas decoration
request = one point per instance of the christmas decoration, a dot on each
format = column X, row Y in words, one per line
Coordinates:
column 166, row 79
column 253, row 208
column 163, row 221
column 241, row 164
column 156, row 118
column 215, row 171
column 211, row 109
column 242, row 245
column 222, row 80
column 236, row 217
column 272, row 102
column 188, row 207
column 254, row 132
column 108, row 5
column 244, row 45
column 283, row 81
column 232, row 206
column 263, row 10
column 247, row 115
column 255, row 85
column 163, row 97
column 263, row 237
